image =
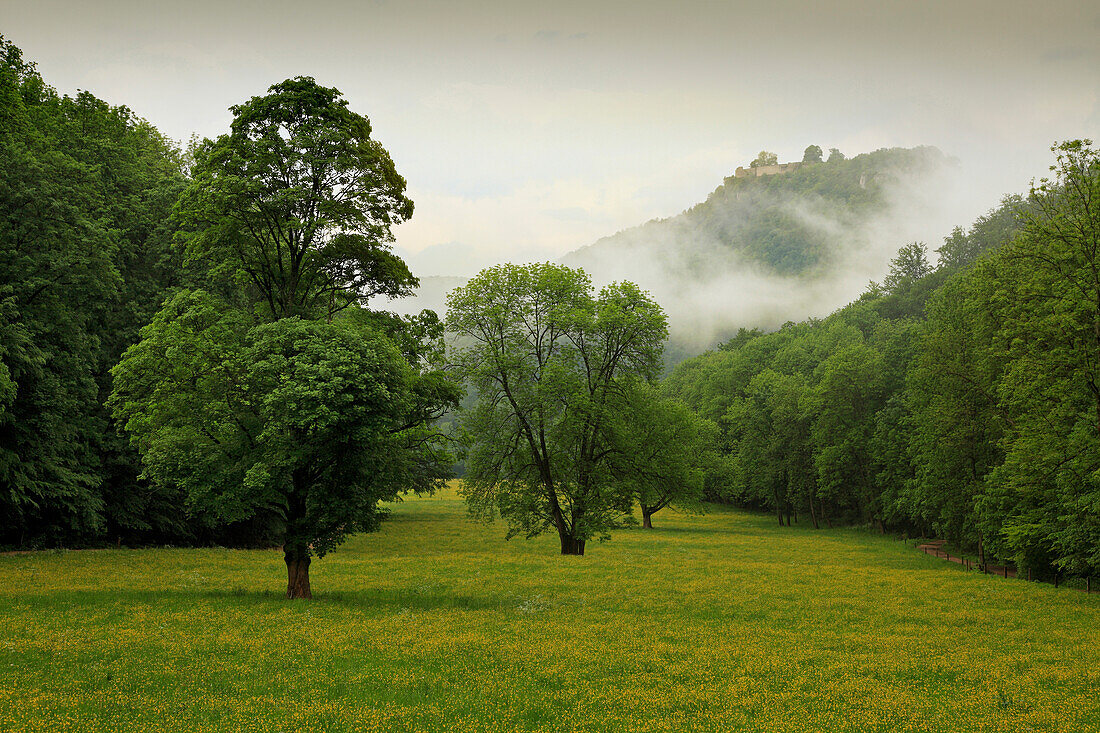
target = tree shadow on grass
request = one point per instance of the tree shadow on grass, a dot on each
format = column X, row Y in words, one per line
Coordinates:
column 173, row 599
column 414, row 599
column 660, row 529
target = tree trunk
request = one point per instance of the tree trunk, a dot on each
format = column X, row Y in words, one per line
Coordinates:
column 647, row 518
column 813, row 515
column 297, row 573
column 570, row 545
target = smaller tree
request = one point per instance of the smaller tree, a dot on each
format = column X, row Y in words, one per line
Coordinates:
column 812, row 154
column 835, row 156
column 548, row 361
column 764, row 158
column 663, row 451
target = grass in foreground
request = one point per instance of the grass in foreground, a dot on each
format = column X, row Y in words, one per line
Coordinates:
column 721, row 622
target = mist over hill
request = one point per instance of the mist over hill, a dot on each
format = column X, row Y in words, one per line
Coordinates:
column 762, row 250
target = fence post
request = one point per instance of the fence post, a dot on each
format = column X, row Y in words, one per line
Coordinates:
column 1088, row 584
column 1005, row 569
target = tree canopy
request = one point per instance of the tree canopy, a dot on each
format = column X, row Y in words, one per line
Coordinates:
column 309, row 420
column 764, row 158
column 661, row 452
column 85, row 260
column 958, row 399
column 548, row 360
column 297, row 202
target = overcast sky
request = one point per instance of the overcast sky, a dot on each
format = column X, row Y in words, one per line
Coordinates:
column 526, row 130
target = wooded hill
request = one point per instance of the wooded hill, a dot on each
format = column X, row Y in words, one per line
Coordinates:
column 790, row 224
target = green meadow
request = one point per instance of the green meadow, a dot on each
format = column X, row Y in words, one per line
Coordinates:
column 436, row 623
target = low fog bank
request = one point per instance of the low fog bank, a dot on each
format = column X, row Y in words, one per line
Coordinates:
column 710, row 290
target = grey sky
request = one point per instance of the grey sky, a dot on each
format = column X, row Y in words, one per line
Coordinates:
column 527, row 130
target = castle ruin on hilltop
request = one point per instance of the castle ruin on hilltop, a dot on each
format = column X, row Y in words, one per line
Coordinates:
column 765, row 170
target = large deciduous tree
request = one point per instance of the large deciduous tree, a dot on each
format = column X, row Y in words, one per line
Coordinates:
column 276, row 391
column 548, row 361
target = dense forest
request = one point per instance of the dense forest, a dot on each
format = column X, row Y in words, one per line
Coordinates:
column 86, row 191
column 956, row 400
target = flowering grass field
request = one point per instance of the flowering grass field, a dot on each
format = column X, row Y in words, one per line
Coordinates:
column 719, row 622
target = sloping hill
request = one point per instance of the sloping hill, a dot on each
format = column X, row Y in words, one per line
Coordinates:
column 795, row 223
column 763, row 250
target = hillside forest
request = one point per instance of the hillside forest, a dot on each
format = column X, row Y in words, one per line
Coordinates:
column 191, row 353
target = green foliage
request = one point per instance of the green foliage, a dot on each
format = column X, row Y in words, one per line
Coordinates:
column 763, row 159
column 84, row 261
column 960, row 400
column 1047, row 285
column 988, row 232
column 910, row 265
column 313, row 420
column 281, row 395
column 958, row 424
column 296, row 203
column 547, row 360
column 661, row 452
column 812, row 154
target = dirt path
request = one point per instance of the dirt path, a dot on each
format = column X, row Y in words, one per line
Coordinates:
column 935, row 548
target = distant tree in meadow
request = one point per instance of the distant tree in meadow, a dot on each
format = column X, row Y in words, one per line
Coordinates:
column 660, row 450
column 548, row 361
